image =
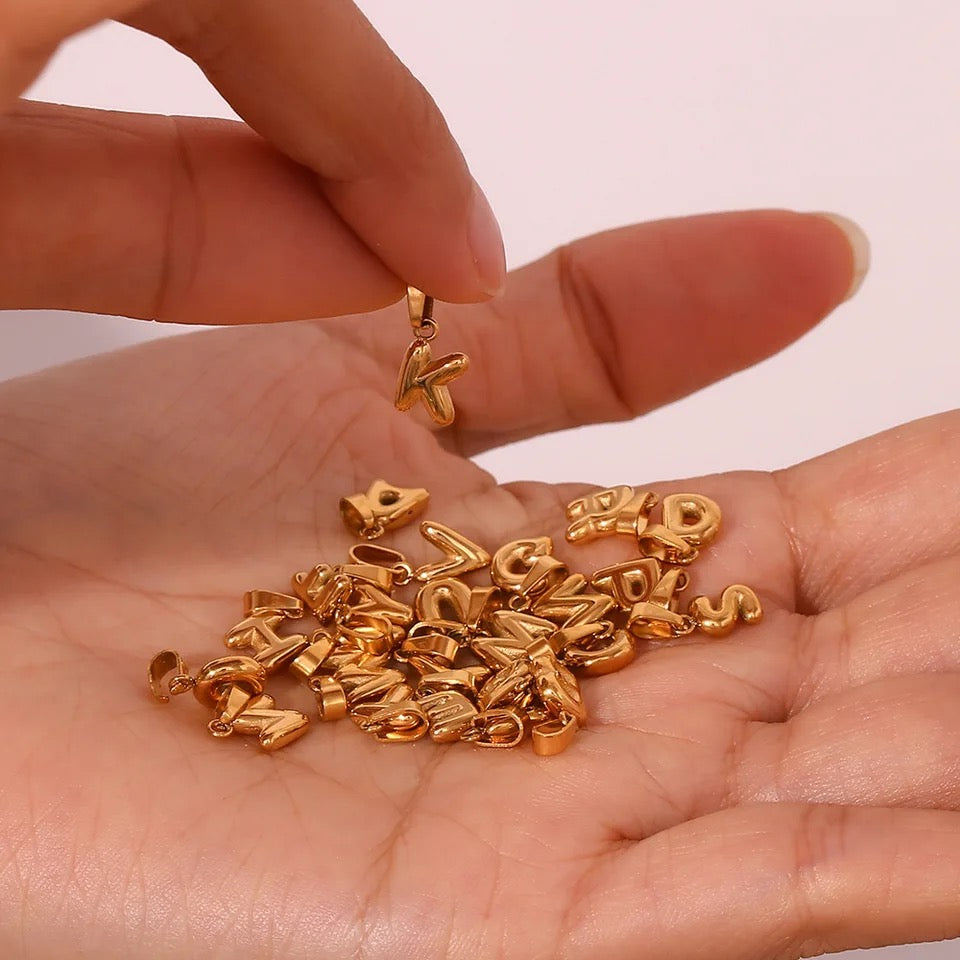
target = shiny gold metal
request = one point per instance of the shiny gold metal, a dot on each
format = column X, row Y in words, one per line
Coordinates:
column 513, row 561
column 592, row 634
column 461, row 555
column 649, row 621
column 367, row 575
column 516, row 635
column 323, row 590
column 368, row 685
column 262, row 603
column 483, row 602
column 558, row 690
column 385, row 506
column 571, row 603
column 369, row 633
column 260, row 717
column 629, row 582
column 508, row 687
column 259, row 635
column 215, row 678
column 421, row 377
column 498, row 652
column 449, row 713
column 521, row 626
column 396, row 694
column 420, row 311
column 312, row 659
column 737, row 602
column 495, row 728
column 553, row 736
column 606, row 656
column 672, row 581
column 429, row 652
column 330, row 696
column 665, row 544
column 394, row 562
column 328, row 600
column 656, row 618
column 465, row 680
column 615, row 510
column 694, row 517
column 168, row 661
column 455, row 602
column 544, row 574
column 401, row 722
column 371, row 601
column 449, row 628
column 233, row 701
column 443, row 599
column 347, row 655
column 234, row 687
column 534, row 628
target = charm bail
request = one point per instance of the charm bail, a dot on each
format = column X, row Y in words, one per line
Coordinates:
column 385, row 506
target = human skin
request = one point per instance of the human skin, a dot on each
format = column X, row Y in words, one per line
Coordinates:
column 343, row 185
column 788, row 789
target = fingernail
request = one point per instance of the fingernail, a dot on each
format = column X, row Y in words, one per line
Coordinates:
column 859, row 247
column 486, row 244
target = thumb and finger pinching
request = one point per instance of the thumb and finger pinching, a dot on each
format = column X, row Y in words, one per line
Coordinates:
column 203, row 222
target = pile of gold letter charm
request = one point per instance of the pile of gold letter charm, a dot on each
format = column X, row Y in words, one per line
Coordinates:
column 485, row 663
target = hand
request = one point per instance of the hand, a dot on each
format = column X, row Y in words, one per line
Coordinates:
column 788, row 789
column 356, row 189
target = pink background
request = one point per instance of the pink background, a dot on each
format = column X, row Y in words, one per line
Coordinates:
column 580, row 116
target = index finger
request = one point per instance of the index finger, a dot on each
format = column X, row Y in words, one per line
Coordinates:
column 317, row 81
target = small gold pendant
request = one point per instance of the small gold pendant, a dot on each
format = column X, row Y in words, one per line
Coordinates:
column 421, row 377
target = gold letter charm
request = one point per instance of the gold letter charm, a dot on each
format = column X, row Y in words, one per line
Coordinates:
column 402, row 721
column 449, row 714
column 385, row 506
column 526, row 563
column 737, row 602
column 628, row 583
column 617, row 510
column 495, row 728
column 692, row 516
column 260, row 717
column 462, row 555
column 606, row 655
column 656, row 618
column 269, row 648
column 569, row 604
column 422, row 377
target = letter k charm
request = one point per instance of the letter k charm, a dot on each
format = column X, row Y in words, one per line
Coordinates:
column 422, row 378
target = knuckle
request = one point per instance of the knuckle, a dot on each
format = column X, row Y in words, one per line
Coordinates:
column 819, row 843
column 593, row 326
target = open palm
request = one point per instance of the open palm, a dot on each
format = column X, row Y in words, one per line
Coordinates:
column 752, row 797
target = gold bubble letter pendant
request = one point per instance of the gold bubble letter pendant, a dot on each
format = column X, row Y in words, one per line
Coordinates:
column 422, row 377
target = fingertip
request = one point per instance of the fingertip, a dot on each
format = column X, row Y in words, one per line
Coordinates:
column 486, row 244
column 859, row 249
